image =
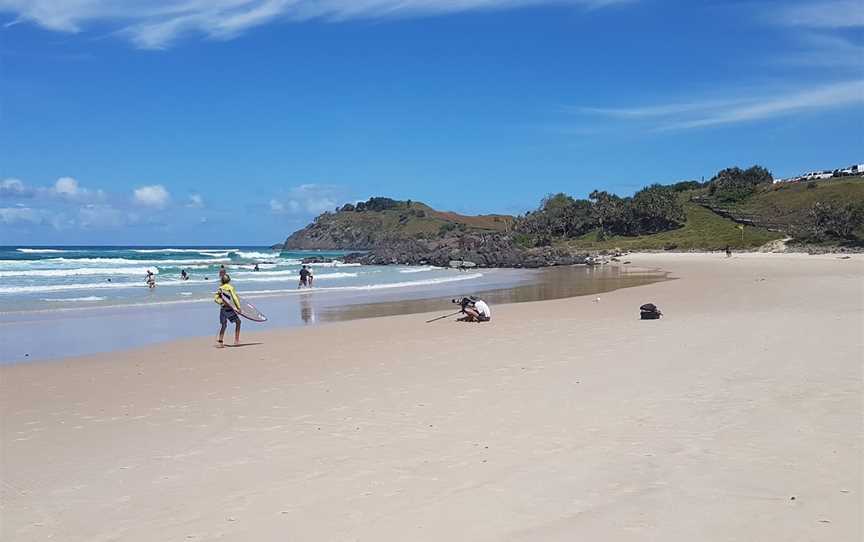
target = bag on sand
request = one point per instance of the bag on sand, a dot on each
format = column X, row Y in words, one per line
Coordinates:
column 649, row 311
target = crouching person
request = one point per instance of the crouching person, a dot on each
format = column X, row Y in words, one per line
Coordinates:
column 475, row 310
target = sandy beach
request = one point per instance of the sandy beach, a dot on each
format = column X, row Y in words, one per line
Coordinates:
column 738, row 416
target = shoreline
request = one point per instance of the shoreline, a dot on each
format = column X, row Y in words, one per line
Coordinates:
column 90, row 330
column 724, row 420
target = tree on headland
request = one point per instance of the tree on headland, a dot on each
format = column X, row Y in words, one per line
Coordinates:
column 651, row 210
column 657, row 208
column 734, row 184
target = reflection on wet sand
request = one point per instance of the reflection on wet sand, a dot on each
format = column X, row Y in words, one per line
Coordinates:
column 307, row 310
column 551, row 283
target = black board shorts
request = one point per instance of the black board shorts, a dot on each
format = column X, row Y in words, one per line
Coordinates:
column 227, row 315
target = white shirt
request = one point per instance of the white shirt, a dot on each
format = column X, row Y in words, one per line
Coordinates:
column 483, row 308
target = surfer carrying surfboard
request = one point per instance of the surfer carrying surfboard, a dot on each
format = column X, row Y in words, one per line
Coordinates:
column 228, row 313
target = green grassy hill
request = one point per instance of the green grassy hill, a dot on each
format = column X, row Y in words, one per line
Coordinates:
column 704, row 230
column 786, row 206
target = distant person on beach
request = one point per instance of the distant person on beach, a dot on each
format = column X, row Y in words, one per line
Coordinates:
column 728, row 252
column 222, row 271
column 305, row 275
column 311, row 276
column 184, row 275
column 226, row 313
column 150, row 279
column 475, row 310
column 256, row 268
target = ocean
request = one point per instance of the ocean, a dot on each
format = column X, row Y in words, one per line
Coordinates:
column 61, row 278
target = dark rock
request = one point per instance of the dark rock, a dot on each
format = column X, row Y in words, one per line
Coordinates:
column 316, row 259
column 485, row 250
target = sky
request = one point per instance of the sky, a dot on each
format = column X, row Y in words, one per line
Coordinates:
column 152, row 122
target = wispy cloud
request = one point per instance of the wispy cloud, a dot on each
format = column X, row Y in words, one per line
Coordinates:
column 827, row 51
column 155, row 24
column 276, row 207
column 700, row 114
column 820, row 14
column 21, row 213
column 308, row 199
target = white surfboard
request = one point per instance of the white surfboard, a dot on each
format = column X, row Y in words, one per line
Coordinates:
column 246, row 310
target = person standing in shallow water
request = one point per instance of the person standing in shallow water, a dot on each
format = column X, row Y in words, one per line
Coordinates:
column 150, row 279
column 305, row 276
column 222, row 271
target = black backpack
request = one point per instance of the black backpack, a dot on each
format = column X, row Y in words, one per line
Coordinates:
column 649, row 311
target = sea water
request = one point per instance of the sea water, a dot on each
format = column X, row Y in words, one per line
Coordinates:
column 59, row 278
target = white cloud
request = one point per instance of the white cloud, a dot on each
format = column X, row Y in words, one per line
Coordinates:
column 69, row 188
column 12, row 215
column 824, row 14
column 14, row 188
column 100, row 216
column 66, row 186
column 308, row 199
column 195, row 201
column 696, row 114
column 277, row 207
column 155, row 24
column 155, row 196
column 313, row 198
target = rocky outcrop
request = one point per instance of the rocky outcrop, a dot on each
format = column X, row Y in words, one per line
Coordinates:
column 412, row 233
column 376, row 223
column 484, row 250
column 330, row 235
column 316, row 259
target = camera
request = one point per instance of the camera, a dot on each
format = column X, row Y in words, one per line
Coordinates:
column 463, row 302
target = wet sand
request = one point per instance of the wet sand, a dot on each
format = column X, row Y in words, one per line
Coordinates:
column 735, row 417
column 541, row 285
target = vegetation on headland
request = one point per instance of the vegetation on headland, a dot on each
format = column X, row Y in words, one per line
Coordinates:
column 739, row 208
column 703, row 230
column 742, row 209
column 829, row 211
column 379, row 221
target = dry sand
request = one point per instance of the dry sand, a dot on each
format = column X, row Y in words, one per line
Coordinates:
column 738, row 416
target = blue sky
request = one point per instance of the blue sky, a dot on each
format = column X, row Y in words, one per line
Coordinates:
column 237, row 121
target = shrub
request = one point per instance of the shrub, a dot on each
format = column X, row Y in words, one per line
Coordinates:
column 835, row 219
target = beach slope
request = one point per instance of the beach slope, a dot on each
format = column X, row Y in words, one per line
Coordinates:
column 738, row 416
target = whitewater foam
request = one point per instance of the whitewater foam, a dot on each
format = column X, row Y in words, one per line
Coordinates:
column 224, row 252
column 423, row 269
column 253, row 255
column 76, row 299
column 87, row 271
column 291, row 273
